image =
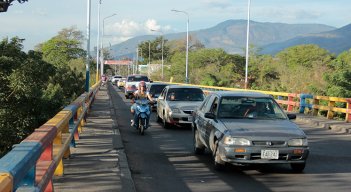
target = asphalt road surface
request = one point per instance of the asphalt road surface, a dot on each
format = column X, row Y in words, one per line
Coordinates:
column 163, row 160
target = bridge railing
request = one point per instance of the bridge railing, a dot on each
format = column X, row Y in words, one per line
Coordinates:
column 31, row 164
column 298, row 102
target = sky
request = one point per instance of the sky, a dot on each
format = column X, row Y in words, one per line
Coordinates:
column 37, row 21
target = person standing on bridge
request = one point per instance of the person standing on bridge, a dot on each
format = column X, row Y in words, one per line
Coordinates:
column 141, row 93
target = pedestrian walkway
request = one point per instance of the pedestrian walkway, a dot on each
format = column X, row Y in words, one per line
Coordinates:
column 98, row 163
column 338, row 126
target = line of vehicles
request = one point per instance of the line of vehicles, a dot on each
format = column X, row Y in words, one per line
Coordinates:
column 236, row 127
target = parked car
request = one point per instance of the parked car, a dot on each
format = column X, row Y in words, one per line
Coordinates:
column 121, row 82
column 244, row 128
column 176, row 104
column 115, row 79
column 155, row 90
column 132, row 83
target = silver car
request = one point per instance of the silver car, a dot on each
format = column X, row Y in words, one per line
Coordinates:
column 176, row 104
column 244, row 128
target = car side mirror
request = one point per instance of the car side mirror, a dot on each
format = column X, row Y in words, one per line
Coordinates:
column 210, row 115
column 291, row 116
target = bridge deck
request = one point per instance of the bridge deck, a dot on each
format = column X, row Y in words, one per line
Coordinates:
column 99, row 162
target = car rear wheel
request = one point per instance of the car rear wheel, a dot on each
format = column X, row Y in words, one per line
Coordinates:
column 197, row 150
column 298, row 167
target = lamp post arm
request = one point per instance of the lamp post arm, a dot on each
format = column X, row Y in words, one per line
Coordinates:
column 187, row 45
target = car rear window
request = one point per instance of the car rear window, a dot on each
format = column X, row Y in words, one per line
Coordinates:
column 156, row 89
column 138, row 78
column 185, row 94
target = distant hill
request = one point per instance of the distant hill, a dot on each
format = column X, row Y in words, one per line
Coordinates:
column 335, row 41
column 231, row 35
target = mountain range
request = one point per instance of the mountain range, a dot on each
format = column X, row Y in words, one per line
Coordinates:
column 271, row 38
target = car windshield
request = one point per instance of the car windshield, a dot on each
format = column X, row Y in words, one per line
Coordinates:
column 251, row 108
column 185, row 94
column 138, row 78
column 156, row 89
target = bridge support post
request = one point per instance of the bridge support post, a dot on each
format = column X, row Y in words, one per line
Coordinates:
column 348, row 110
column 303, row 102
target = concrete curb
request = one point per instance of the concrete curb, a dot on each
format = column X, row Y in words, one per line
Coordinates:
column 126, row 176
column 335, row 125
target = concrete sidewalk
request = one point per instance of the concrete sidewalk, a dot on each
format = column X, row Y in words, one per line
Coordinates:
column 98, row 163
column 335, row 125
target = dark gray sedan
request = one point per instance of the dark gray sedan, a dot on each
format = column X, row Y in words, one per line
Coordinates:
column 245, row 128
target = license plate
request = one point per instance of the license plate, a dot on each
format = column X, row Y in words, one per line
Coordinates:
column 269, row 154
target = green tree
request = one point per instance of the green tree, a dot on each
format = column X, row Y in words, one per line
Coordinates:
column 300, row 68
column 155, row 50
column 65, row 52
column 25, row 95
column 338, row 79
column 208, row 67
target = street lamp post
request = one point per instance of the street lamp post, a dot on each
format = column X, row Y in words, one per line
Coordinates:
column 247, row 43
column 162, row 51
column 187, row 45
column 148, row 66
column 87, row 72
column 137, row 59
column 97, row 44
column 102, row 39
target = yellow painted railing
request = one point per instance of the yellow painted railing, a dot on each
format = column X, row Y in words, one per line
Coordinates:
column 297, row 102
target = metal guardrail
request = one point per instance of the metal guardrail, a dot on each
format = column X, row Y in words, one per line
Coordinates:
column 297, row 102
column 31, row 164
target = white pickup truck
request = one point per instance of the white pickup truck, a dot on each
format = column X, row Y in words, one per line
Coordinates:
column 132, row 83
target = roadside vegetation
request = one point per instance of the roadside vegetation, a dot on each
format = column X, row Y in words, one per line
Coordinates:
column 298, row 69
column 36, row 85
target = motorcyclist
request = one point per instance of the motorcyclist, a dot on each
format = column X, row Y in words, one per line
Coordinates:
column 141, row 93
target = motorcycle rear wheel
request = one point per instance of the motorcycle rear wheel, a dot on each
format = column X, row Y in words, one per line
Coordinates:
column 141, row 126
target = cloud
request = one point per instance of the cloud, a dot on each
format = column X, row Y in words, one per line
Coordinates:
column 126, row 29
column 221, row 4
column 152, row 24
column 40, row 12
column 286, row 14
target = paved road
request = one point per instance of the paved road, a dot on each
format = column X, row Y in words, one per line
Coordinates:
column 162, row 160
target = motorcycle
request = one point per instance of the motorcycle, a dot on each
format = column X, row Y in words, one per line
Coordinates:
column 143, row 113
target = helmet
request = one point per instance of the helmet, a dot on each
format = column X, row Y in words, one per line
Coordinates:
column 142, row 84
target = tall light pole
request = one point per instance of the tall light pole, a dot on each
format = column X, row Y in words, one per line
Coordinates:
column 148, row 66
column 247, row 43
column 87, row 72
column 97, row 44
column 162, row 51
column 187, row 45
column 102, row 39
column 137, row 59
